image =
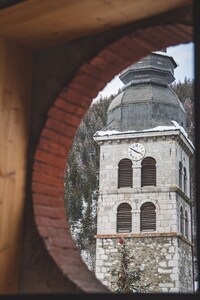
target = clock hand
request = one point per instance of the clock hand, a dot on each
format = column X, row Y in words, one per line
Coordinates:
column 135, row 150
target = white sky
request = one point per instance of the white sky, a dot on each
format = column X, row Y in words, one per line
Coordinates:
column 183, row 55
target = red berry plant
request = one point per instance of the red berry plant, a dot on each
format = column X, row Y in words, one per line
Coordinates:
column 128, row 280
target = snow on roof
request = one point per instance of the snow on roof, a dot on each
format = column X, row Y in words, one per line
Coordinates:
column 161, row 53
column 111, row 132
column 158, row 128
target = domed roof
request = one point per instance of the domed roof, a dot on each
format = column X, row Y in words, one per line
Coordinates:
column 147, row 101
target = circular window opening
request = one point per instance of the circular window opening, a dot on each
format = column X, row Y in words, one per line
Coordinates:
column 82, row 171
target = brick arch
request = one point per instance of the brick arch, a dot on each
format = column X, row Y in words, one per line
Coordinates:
column 57, row 135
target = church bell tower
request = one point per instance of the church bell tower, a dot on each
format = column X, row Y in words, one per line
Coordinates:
column 144, row 181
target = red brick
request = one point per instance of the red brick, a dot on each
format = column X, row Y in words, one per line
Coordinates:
column 187, row 29
column 52, row 147
column 89, row 69
column 61, row 127
column 68, row 264
column 60, row 260
column 122, row 50
column 179, row 31
column 48, row 200
column 106, row 76
column 73, row 268
column 44, row 189
column 70, row 107
column 70, row 261
column 83, row 89
column 63, row 242
column 111, row 57
column 56, row 137
column 88, row 282
column 104, row 65
column 71, row 256
column 43, row 231
column 159, row 34
column 48, row 222
column 51, row 212
column 165, row 35
column 51, row 159
column 124, row 64
column 55, row 232
column 75, row 97
column 64, row 116
column 130, row 43
column 145, row 40
column 89, row 81
column 47, row 169
column 49, row 180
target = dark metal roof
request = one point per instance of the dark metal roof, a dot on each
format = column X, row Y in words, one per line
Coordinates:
column 147, row 100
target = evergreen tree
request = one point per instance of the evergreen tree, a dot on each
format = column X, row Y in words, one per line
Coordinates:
column 126, row 277
column 185, row 92
column 82, row 180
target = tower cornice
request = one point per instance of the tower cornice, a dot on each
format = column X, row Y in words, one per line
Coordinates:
column 143, row 235
column 116, row 136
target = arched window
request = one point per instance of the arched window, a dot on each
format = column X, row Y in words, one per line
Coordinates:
column 180, row 175
column 148, row 217
column 148, row 174
column 124, row 218
column 181, row 221
column 186, row 224
column 125, row 173
column 185, row 180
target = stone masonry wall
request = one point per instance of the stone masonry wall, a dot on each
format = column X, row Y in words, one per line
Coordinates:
column 186, row 267
column 158, row 258
column 165, row 202
column 166, row 150
column 167, row 153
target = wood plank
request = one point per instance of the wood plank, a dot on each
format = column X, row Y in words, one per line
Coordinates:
column 15, row 94
column 37, row 23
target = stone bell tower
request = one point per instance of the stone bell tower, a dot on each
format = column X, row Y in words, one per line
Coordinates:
column 144, row 182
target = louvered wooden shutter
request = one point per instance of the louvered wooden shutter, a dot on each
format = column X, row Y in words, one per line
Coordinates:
column 181, row 221
column 148, row 217
column 124, row 218
column 185, row 180
column 186, row 224
column 180, row 175
column 125, row 173
column 148, row 175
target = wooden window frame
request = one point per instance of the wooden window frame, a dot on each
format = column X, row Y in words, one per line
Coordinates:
column 185, row 179
column 148, row 217
column 125, row 173
column 181, row 221
column 180, row 175
column 124, row 218
column 148, row 172
column 186, row 225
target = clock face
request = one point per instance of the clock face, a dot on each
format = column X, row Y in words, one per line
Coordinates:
column 136, row 151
